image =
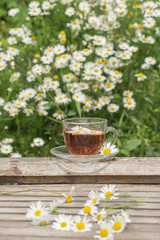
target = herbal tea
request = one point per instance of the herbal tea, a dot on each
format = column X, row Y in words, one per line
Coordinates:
column 82, row 141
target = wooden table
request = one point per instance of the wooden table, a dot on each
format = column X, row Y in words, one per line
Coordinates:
column 137, row 178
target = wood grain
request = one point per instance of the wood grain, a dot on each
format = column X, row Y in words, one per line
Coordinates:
column 47, row 170
column 145, row 217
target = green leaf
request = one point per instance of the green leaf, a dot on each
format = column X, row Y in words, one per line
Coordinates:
column 148, row 100
column 132, row 144
column 125, row 152
column 78, row 107
column 71, row 113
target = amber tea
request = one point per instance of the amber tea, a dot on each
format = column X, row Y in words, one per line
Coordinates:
column 79, row 143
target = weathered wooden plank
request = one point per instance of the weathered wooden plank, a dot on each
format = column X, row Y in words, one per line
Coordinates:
column 150, row 188
column 26, row 222
column 45, row 232
column 131, row 212
column 47, row 170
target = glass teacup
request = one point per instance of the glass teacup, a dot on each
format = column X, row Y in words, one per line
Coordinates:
column 85, row 136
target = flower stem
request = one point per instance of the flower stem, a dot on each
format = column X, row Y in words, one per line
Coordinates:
column 124, row 206
column 32, row 189
column 53, row 119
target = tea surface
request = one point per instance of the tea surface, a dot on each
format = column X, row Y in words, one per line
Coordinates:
column 83, row 143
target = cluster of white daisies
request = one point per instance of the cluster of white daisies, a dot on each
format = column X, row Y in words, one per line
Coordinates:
column 40, row 214
column 6, row 147
column 85, row 66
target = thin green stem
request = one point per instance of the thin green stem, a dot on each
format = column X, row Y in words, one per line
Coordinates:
column 105, row 203
column 130, row 199
column 32, row 189
column 124, row 206
column 53, row 119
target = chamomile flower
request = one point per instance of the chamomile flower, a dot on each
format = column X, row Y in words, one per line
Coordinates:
column 125, row 215
column 100, row 216
column 8, row 140
column 108, row 192
column 13, row 11
column 38, row 142
column 150, row 60
column 129, row 103
column 112, row 107
column 2, row 101
column 37, row 210
column 149, row 22
column 79, row 97
column 118, row 223
column 107, row 148
column 94, row 195
column 59, row 49
column 59, row 114
column 54, row 204
column 42, row 220
column 106, row 231
column 87, row 107
column 81, row 224
column 70, row 11
column 69, row 197
column 140, row 76
column 104, row 100
column 16, row 155
column 6, row 149
column 89, row 208
column 63, row 222
column 12, row 40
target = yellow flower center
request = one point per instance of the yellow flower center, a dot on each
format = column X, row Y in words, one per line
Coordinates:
column 75, row 22
column 106, row 151
column 37, row 55
column 62, row 32
column 80, row 129
column 100, row 61
column 37, row 213
column 87, row 210
column 95, row 104
column 99, row 217
column 63, row 224
column 93, row 132
column 55, row 77
column 69, row 199
column 63, row 39
column 140, row 74
column 108, row 85
column 112, row 108
column 86, row 106
column 77, row 132
column 117, row 226
column 80, row 226
column 129, row 102
column 104, row 232
column 60, row 98
column 108, row 194
column 94, row 200
column 59, row 111
column 104, row 100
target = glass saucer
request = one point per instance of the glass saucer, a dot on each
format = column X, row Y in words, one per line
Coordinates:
column 62, row 152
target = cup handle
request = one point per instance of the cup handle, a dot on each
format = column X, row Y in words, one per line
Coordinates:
column 111, row 129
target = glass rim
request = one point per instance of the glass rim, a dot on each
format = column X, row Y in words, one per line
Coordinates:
column 99, row 120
